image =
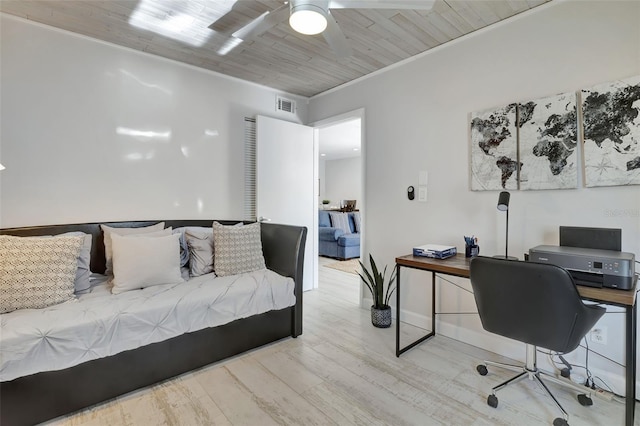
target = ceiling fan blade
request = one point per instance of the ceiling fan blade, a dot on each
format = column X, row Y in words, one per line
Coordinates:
column 336, row 38
column 381, row 4
column 263, row 23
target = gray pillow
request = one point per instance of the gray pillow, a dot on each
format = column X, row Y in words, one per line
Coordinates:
column 184, row 246
column 200, row 247
column 83, row 273
column 340, row 221
column 238, row 249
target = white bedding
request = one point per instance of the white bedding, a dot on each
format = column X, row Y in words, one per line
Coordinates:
column 100, row 324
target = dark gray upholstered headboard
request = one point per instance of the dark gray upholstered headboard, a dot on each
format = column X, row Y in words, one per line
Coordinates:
column 98, row 261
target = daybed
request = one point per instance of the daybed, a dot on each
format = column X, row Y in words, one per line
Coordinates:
column 44, row 395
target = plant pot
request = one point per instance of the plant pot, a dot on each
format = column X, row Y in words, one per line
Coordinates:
column 381, row 318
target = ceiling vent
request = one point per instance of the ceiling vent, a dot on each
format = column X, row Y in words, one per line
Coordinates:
column 286, row 105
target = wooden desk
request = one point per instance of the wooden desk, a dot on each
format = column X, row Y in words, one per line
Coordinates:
column 458, row 266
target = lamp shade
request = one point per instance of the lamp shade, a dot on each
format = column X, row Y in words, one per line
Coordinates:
column 1, row 167
column 503, row 201
column 307, row 18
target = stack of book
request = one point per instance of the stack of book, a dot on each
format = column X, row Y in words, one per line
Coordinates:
column 435, row 251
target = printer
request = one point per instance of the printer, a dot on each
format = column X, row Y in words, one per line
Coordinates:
column 590, row 267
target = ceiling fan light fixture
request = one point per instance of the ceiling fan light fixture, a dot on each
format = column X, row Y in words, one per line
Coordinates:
column 308, row 18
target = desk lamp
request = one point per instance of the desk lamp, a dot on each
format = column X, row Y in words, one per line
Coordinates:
column 503, row 206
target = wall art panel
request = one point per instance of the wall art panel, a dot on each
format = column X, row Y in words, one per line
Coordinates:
column 547, row 142
column 494, row 150
column 611, row 113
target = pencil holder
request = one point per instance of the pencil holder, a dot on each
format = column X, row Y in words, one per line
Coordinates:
column 471, row 251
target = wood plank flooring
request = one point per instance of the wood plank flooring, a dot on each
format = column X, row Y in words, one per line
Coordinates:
column 343, row 371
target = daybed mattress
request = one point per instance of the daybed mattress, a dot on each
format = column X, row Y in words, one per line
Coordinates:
column 100, row 324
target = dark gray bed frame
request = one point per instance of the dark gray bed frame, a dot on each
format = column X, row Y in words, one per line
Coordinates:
column 44, row 396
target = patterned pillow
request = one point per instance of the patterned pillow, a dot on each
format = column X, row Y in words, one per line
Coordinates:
column 37, row 272
column 340, row 221
column 238, row 249
column 200, row 243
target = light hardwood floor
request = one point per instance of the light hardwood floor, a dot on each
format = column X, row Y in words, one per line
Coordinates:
column 344, row 371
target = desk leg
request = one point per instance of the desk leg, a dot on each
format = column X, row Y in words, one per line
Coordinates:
column 631, row 326
column 398, row 310
column 399, row 350
column 433, row 302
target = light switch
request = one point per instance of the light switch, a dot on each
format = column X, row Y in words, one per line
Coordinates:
column 423, row 179
column 422, row 193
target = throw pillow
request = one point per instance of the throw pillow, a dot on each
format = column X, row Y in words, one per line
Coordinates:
column 184, row 248
column 356, row 222
column 141, row 261
column 83, row 273
column 37, row 272
column 238, row 249
column 200, row 244
column 340, row 221
column 108, row 231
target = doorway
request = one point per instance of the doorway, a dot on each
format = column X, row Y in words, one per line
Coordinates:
column 341, row 177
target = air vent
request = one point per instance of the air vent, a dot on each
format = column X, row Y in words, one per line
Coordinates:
column 286, row 105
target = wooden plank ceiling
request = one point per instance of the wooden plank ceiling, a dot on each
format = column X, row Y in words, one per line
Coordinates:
column 280, row 58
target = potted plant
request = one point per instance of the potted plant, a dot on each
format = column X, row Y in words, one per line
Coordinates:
column 325, row 203
column 375, row 282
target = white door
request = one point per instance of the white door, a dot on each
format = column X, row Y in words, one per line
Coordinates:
column 286, row 176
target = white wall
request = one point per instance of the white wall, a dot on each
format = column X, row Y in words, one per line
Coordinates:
column 322, row 180
column 343, row 180
column 63, row 99
column 563, row 46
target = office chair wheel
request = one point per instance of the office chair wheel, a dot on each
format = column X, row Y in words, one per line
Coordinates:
column 559, row 421
column 492, row 401
column 482, row 369
column 584, row 400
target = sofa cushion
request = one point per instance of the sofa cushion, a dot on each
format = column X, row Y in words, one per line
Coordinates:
column 349, row 240
column 323, row 219
column 357, row 225
column 341, row 221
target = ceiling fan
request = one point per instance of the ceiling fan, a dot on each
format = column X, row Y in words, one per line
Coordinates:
column 314, row 17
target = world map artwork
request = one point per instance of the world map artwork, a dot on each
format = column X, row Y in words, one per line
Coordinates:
column 611, row 114
column 494, row 149
column 548, row 140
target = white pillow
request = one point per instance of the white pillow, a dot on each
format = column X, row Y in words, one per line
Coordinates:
column 140, row 261
column 108, row 231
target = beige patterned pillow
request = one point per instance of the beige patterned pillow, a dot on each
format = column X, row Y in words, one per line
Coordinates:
column 37, row 272
column 238, row 249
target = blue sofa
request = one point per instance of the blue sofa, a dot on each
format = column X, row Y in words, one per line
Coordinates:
column 336, row 242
